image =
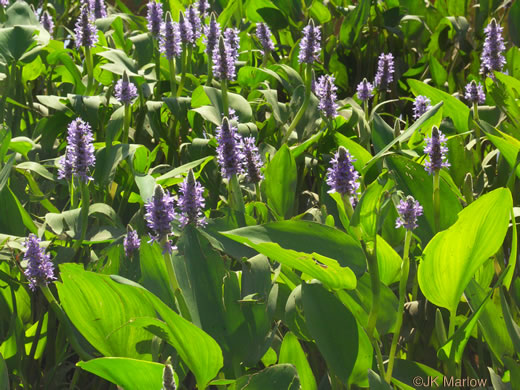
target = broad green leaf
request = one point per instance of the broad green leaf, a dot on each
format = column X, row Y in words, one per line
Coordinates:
column 237, row 102
column 277, row 377
column 512, row 327
column 354, row 22
column 448, row 266
column 405, row 371
column 509, row 147
column 291, row 352
column 340, row 339
column 280, row 182
column 376, row 383
column 4, row 375
column 15, row 219
column 389, row 262
column 361, row 155
column 130, row 374
column 453, row 107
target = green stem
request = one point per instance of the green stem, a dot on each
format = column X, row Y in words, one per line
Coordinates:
column 379, row 358
column 90, row 70
column 225, row 100
column 258, row 192
column 173, row 82
column 373, row 269
column 172, row 279
column 83, row 214
column 183, row 74
column 126, row 122
column 60, row 313
column 236, row 201
column 303, row 108
column 436, row 201
column 157, row 71
column 210, row 72
column 477, row 131
column 400, row 313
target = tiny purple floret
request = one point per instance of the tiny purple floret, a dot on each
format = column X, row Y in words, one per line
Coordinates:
column 421, row 104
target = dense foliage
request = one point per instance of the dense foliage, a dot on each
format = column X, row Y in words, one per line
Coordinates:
column 259, row 194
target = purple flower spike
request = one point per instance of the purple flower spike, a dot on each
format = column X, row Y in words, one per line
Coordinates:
column 125, row 91
column 47, row 22
column 131, row 242
column 264, row 36
column 211, row 32
column 232, row 41
column 421, row 104
column 436, row 150
column 223, row 61
column 185, row 30
column 365, row 90
column 79, row 154
column 154, row 16
column 385, row 72
column 159, row 216
column 168, row 381
column 191, row 202
column 203, row 7
column 409, row 209
column 40, row 270
column 98, row 8
column 492, row 58
column 251, row 162
column 86, row 31
column 310, row 44
column 170, row 40
column 229, row 155
column 475, row 93
column 326, row 92
column 342, row 176
column 192, row 15
column 4, row 3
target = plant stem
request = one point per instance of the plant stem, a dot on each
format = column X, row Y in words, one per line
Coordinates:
column 210, row 72
column 402, row 293
column 477, row 131
column 126, row 123
column 90, row 70
column 373, row 269
column 172, row 279
column 183, row 73
column 83, row 215
column 225, row 100
column 173, row 82
column 258, row 192
column 303, row 108
column 157, row 71
column 236, row 202
column 436, row 201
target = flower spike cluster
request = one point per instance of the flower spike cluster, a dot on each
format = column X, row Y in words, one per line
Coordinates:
column 264, row 36
column 193, row 17
column 211, row 32
column 154, row 17
column 385, row 71
column 40, row 270
column 326, row 92
column 409, row 209
column 98, row 8
column 436, row 150
column 251, row 162
column 202, row 6
column 474, row 93
column 421, row 104
column 47, row 22
column 79, row 154
column 232, row 41
column 125, row 91
column 224, row 61
column 365, row 90
column 131, row 243
column 492, row 58
column 170, row 40
column 86, row 30
column 191, row 202
column 310, row 44
column 159, row 216
column 185, row 31
column 229, row 155
column 342, row 176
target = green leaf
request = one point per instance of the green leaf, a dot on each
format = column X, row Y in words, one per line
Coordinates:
column 292, row 352
column 405, row 371
column 376, row 383
column 280, row 182
column 355, row 20
column 237, row 102
column 128, row 373
column 512, row 327
column 514, row 23
column 389, row 262
column 277, row 377
column 4, row 375
column 361, row 155
column 340, row 339
column 447, row 266
column 453, row 107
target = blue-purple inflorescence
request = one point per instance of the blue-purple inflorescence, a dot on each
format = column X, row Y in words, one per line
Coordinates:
column 191, row 202
column 436, row 150
column 98, row 8
column 264, row 36
column 170, row 40
column 310, row 44
column 86, row 31
column 154, row 17
column 342, row 176
column 212, row 33
column 409, row 209
column 125, row 91
column 385, row 71
column 168, row 380
column 131, row 243
column 223, row 61
column 40, row 270
column 492, row 58
column 365, row 90
column 202, row 6
column 4, row 3
column 474, row 93
column 421, row 104
column 79, row 154
column 192, row 15
column 47, row 22
column 232, row 41
column 251, row 163
column 159, row 216
column 229, row 154
column 185, row 31
column 326, row 92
